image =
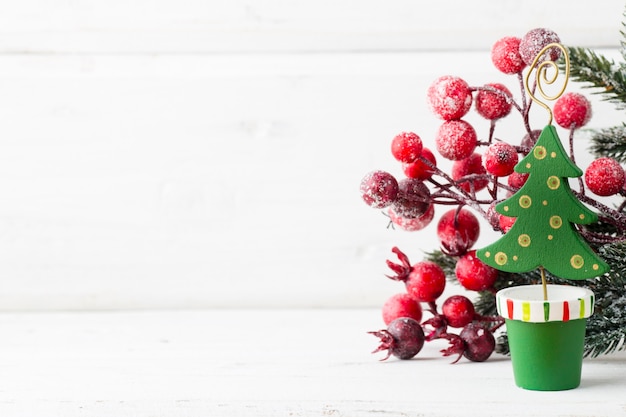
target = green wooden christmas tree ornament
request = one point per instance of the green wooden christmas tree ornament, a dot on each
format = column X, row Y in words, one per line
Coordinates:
column 546, row 323
column 545, row 210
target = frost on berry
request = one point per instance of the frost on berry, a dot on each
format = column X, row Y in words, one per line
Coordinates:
column 473, row 274
column 450, row 98
column 470, row 173
column 517, row 179
column 605, row 177
column 505, row 223
column 534, row 41
column 458, row 310
column 403, row 338
column 420, row 168
column 505, row 55
column 379, row 189
column 572, row 110
column 413, row 198
column 456, row 139
column 457, row 230
column 401, row 305
column 412, row 225
column 500, row 158
column 406, row 147
column 494, row 101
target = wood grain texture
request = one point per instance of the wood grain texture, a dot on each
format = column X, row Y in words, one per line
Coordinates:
column 271, row 363
column 198, row 26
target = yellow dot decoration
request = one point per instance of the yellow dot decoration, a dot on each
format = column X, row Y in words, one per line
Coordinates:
column 553, row 155
column 515, row 258
column 524, row 240
column 506, row 208
column 525, row 201
column 550, row 237
column 487, row 254
column 528, row 165
column 501, row 258
column 553, row 182
column 577, row 261
column 581, row 216
column 596, row 267
column 544, row 202
column 556, row 222
column 540, row 152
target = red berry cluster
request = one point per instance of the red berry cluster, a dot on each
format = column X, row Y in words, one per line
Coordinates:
column 425, row 282
column 482, row 174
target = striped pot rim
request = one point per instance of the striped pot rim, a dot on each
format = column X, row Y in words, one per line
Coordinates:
column 526, row 303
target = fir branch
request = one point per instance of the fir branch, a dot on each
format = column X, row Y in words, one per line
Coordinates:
column 587, row 66
column 610, row 142
column 606, row 328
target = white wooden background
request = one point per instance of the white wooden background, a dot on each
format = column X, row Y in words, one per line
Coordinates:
column 198, row 153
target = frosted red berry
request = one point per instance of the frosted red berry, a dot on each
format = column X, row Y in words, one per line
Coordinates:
column 457, row 231
column 413, row 198
column 517, row 179
column 420, row 169
column 572, row 110
column 473, row 274
column 412, row 225
column 500, row 159
column 505, row 55
column 427, row 281
column 529, row 139
column 604, row 176
column 458, row 310
column 449, row 97
column 401, row 305
column 470, row 173
column 497, row 220
column 505, row 223
column 406, row 147
column 456, row 140
column 479, row 342
column 403, row 338
column 379, row 189
column 494, row 101
column 534, row 41
column 424, row 281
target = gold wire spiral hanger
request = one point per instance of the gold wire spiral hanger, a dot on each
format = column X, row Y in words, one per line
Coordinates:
column 542, row 77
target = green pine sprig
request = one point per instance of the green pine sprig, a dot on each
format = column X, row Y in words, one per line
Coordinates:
column 606, row 328
column 597, row 71
column 610, row 142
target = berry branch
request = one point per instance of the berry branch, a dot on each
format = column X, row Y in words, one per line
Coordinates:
column 481, row 176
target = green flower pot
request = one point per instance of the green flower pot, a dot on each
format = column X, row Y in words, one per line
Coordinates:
column 546, row 338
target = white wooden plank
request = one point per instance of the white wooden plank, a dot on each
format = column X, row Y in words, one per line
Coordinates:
column 261, row 363
column 166, row 181
column 199, row 26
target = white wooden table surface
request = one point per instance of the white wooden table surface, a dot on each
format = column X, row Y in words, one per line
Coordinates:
column 261, row 363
